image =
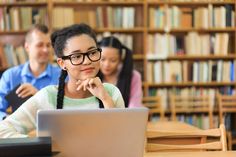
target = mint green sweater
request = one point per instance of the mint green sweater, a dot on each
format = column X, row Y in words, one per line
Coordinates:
column 23, row 120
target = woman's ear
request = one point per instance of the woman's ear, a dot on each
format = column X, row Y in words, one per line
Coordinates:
column 61, row 63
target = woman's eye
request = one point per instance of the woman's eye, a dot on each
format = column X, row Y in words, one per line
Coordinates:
column 78, row 56
column 93, row 52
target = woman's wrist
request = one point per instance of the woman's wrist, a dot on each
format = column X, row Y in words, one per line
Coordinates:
column 107, row 100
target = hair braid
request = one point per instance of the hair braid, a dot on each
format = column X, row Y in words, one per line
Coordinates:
column 61, row 90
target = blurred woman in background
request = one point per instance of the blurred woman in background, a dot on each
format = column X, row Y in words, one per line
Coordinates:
column 116, row 67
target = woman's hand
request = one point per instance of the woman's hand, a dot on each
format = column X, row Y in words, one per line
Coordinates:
column 95, row 87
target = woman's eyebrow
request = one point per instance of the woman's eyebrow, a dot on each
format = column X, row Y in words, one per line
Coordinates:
column 92, row 47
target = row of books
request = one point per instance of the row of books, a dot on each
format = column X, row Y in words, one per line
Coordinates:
column 125, row 39
column 15, row 18
column 14, row 1
column 164, row 45
column 191, row 0
column 197, row 71
column 119, row 17
column 165, row 94
column 12, row 56
column 112, row 17
column 201, row 17
column 200, row 120
column 97, row 0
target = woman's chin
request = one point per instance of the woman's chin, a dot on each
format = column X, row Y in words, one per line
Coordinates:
column 107, row 73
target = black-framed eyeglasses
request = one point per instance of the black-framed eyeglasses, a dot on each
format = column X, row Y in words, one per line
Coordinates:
column 78, row 58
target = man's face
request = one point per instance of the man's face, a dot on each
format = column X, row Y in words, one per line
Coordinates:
column 38, row 47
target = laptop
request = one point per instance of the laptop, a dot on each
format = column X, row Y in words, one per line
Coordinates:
column 95, row 132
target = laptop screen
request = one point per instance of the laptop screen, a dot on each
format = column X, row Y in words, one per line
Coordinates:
column 95, row 132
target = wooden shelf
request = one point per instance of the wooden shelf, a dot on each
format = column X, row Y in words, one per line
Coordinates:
column 24, row 4
column 196, row 57
column 138, row 56
column 184, row 30
column 21, row 32
column 189, row 4
column 120, row 30
column 189, row 84
column 3, row 68
column 97, row 3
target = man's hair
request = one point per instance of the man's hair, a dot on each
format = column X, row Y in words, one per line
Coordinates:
column 39, row 27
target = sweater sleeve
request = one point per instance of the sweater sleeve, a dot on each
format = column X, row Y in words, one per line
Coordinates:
column 115, row 94
column 136, row 94
column 23, row 120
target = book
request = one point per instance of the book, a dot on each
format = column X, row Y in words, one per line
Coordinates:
column 36, row 146
column 14, row 100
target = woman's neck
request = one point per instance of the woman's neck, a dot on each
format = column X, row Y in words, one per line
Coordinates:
column 111, row 78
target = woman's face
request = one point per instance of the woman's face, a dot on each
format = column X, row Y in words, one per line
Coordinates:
column 87, row 69
column 110, row 61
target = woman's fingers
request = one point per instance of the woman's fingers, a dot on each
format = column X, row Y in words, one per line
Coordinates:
column 92, row 83
column 80, row 84
column 88, row 83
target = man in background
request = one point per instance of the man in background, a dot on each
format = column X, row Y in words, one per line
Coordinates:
column 35, row 74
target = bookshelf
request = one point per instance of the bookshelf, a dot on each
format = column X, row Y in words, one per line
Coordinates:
column 185, row 36
column 175, row 28
column 16, row 17
column 190, row 51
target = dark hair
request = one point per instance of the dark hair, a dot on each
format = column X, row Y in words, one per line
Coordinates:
column 125, row 76
column 59, row 40
column 39, row 27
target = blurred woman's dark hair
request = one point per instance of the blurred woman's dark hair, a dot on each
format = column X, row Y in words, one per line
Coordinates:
column 125, row 75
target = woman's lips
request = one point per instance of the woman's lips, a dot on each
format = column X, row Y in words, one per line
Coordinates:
column 87, row 70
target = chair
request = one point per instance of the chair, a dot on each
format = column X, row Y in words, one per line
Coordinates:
column 172, row 136
column 154, row 105
column 189, row 105
column 227, row 104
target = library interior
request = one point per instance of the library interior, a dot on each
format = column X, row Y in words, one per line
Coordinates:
column 184, row 50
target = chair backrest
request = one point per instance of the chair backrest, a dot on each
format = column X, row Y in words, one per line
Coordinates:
column 154, row 105
column 226, row 104
column 189, row 139
column 191, row 104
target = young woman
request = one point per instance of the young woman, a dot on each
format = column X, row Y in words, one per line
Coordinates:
column 78, row 57
column 117, row 68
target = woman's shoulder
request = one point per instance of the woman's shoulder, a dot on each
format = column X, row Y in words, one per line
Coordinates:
column 49, row 89
column 136, row 73
column 111, row 89
column 136, row 76
column 109, row 86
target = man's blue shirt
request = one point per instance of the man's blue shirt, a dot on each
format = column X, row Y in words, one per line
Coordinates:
column 22, row 74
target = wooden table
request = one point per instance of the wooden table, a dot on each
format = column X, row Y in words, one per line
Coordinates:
column 170, row 125
column 192, row 154
column 173, row 125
